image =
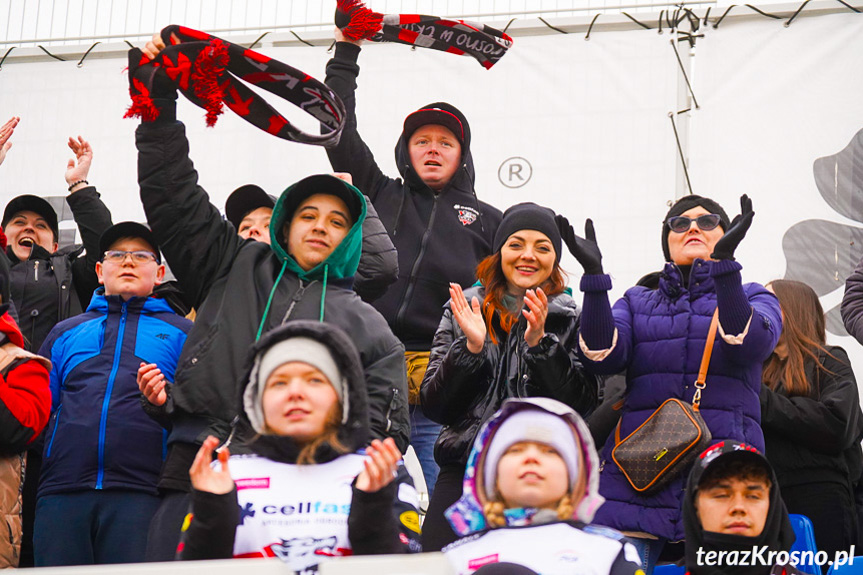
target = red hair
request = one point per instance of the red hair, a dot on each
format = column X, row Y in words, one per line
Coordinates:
column 490, row 275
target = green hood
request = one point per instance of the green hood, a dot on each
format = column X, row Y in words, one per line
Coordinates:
column 343, row 261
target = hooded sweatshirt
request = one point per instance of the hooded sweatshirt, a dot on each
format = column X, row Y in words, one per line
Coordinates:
column 440, row 237
column 304, row 514
column 242, row 289
column 531, row 538
column 777, row 535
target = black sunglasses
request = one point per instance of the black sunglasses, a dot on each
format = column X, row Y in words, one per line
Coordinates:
column 681, row 224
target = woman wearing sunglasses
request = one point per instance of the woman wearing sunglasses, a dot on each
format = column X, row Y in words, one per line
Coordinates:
column 658, row 335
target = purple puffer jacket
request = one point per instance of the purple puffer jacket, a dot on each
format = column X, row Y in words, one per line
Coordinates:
column 661, row 337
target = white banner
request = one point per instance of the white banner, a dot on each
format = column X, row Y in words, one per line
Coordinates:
column 780, row 108
column 580, row 126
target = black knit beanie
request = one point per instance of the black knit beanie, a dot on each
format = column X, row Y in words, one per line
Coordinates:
column 685, row 204
column 528, row 216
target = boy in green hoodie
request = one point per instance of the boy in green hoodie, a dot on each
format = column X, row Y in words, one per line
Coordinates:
column 243, row 289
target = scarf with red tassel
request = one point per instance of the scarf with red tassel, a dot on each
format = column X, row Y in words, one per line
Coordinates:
column 208, row 70
column 486, row 44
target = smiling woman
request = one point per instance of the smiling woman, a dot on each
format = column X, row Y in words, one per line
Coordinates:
column 520, row 319
column 656, row 336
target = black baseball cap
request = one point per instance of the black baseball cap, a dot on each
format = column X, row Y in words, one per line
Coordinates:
column 434, row 114
column 128, row 230
column 31, row 203
column 245, row 199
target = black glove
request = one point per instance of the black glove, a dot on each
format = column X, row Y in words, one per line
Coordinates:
column 585, row 249
column 724, row 249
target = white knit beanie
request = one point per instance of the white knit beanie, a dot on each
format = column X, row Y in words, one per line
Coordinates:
column 530, row 425
column 301, row 349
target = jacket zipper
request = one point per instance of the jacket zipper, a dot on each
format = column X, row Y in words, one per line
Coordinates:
column 36, row 271
column 412, row 280
column 296, row 297
column 54, row 431
column 111, row 378
column 518, row 374
column 390, row 409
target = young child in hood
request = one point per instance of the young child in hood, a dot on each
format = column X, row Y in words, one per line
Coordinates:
column 530, row 489
column 733, row 506
column 305, row 494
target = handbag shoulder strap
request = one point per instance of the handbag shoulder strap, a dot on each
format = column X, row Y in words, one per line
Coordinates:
column 701, row 382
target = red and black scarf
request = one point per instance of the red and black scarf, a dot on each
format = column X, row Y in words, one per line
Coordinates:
column 208, row 70
column 486, row 44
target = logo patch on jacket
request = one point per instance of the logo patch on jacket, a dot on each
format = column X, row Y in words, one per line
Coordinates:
column 466, row 214
column 474, row 564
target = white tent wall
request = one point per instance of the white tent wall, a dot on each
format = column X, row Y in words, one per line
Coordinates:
column 590, row 118
column 774, row 100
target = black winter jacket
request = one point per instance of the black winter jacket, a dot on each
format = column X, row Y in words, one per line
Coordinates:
column 48, row 288
column 812, row 439
column 229, row 281
column 426, row 228
column 462, row 390
column 852, row 303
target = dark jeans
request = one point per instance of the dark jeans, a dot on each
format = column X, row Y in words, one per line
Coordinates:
column 424, row 434
column 648, row 550
column 92, row 527
column 164, row 534
column 437, row 532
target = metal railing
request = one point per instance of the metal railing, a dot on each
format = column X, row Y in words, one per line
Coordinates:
column 71, row 22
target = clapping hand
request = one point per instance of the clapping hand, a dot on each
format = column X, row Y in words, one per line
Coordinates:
column 380, row 466
column 202, row 474
column 727, row 244
column 536, row 312
column 585, row 249
column 469, row 318
column 152, row 383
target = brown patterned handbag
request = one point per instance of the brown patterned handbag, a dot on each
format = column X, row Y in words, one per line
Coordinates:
column 670, row 439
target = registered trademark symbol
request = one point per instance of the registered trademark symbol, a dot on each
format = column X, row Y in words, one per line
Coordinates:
column 514, row 172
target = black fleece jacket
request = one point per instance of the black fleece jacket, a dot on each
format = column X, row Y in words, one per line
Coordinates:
column 440, row 237
column 812, row 439
column 462, row 390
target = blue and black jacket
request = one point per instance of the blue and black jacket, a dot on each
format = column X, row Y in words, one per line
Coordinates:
column 99, row 436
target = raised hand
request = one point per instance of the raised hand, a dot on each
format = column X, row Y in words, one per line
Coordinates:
column 78, row 168
column 380, row 466
column 154, row 46
column 727, row 244
column 152, row 382
column 345, row 177
column 202, row 474
column 585, row 249
column 6, row 131
column 469, row 318
column 536, row 312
